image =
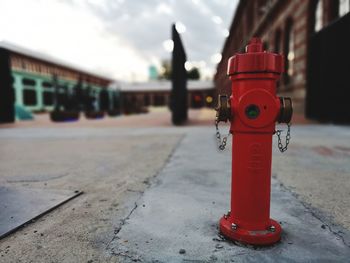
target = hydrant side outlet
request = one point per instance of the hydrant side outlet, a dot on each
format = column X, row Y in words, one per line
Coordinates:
column 255, row 109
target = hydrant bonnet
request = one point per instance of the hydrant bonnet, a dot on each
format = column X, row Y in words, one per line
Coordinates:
column 255, row 60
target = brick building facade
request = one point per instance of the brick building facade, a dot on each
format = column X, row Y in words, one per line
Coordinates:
column 285, row 26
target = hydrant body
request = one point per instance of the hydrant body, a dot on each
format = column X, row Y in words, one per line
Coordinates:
column 254, row 110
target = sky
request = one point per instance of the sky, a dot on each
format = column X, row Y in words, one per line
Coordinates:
column 119, row 38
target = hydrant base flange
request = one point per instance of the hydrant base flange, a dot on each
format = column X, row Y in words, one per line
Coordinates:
column 260, row 237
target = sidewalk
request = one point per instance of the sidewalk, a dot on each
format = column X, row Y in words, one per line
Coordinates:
column 181, row 210
column 150, row 192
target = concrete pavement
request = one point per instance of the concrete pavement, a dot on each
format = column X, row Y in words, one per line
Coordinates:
column 150, row 193
column 112, row 167
column 316, row 168
column 176, row 220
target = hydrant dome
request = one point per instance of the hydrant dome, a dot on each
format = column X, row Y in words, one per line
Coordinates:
column 255, row 60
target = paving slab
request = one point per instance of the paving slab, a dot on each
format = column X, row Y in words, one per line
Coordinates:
column 316, row 168
column 176, row 220
column 20, row 206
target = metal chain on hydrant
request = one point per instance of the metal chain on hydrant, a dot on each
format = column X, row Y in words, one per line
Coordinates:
column 221, row 143
column 280, row 145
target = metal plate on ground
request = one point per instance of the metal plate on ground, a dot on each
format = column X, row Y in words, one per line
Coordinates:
column 19, row 206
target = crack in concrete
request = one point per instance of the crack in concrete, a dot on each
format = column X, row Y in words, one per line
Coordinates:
column 314, row 214
column 317, row 214
column 122, row 222
column 125, row 255
column 148, row 184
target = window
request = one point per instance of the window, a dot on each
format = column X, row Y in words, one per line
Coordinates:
column 290, row 55
column 47, row 84
column 278, row 41
column 29, row 97
column 344, row 7
column 289, row 51
column 159, row 100
column 28, row 82
column 318, row 16
column 146, row 99
column 197, row 100
column 62, row 99
column 48, row 98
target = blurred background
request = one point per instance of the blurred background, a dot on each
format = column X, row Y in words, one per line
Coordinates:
column 106, row 58
column 110, row 58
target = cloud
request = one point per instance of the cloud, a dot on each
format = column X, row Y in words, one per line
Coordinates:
column 163, row 8
column 206, row 24
column 118, row 38
column 73, row 35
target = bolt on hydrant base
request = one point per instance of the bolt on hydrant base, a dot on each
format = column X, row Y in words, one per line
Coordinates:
column 253, row 109
column 270, row 235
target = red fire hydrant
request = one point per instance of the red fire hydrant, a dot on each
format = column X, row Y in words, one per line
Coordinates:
column 253, row 110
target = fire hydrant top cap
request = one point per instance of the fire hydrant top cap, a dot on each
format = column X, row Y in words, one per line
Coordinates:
column 255, row 60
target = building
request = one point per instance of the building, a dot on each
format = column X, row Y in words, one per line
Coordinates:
column 285, row 26
column 34, row 75
column 37, row 82
column 136, row 97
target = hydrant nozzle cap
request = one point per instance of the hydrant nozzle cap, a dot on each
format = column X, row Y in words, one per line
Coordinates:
column 255, row 45
column 255, row 60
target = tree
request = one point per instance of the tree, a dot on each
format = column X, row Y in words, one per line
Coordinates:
column 193, row 73
column 166, row 70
